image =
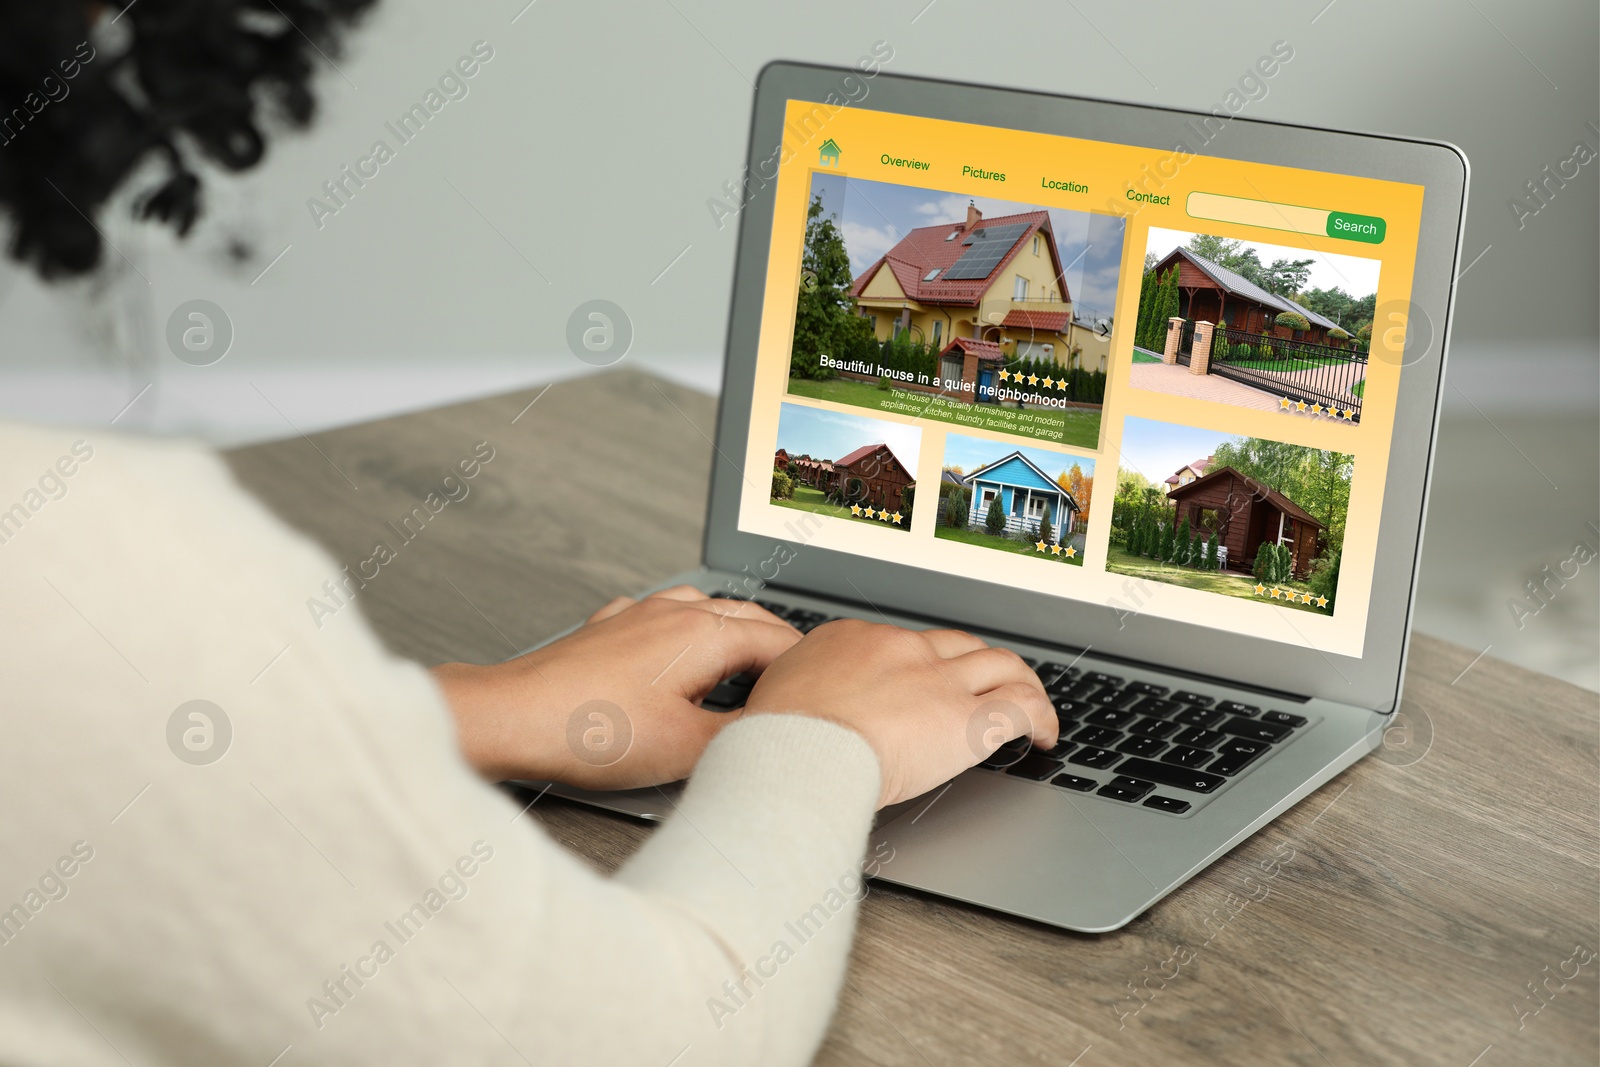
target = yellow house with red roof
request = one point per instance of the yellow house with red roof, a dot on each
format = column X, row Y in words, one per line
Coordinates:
column 998, row 282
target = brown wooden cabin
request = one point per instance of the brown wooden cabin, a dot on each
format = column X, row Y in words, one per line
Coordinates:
column 1212, row 293
column 882, row 475
column 1243, row 513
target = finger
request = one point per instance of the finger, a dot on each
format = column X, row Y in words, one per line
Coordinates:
column 1042, row 726
column 678, row 592
column 740, row 609
column 951, row 643
column 611, row 607
column 991, row 668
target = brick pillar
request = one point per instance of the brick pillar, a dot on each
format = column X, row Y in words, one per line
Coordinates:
column 1174, row 332
column 1200, row 356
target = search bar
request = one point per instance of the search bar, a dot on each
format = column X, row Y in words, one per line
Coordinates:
column 1294, row 218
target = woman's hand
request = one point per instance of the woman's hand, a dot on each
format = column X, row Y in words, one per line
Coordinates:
column 613, row 705
column 930, row 703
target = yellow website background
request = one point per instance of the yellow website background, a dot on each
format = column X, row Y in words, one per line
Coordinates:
column 862, row 140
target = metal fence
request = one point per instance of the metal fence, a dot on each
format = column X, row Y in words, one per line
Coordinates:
column 1320, row 376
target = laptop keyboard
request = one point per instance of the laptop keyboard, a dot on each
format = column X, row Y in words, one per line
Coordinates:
column 1133, row 742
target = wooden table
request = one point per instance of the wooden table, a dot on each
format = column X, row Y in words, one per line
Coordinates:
column 1417, row 902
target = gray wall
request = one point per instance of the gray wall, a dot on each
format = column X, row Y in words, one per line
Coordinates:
column 580, row 163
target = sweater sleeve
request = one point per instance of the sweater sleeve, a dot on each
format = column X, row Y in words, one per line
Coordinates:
column 242, row 830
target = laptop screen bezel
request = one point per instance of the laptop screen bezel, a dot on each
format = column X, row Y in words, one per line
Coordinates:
column 1372, row 681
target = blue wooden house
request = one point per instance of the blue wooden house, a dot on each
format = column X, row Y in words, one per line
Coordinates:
column 1026, row 494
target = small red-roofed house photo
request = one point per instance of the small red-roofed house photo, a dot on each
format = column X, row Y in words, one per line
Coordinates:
column 913, row 290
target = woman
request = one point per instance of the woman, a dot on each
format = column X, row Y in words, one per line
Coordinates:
column 344, row 886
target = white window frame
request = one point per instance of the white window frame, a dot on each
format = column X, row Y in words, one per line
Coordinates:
column 1019, row 288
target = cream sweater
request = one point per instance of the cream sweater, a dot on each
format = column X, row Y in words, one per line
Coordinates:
column 339, row 887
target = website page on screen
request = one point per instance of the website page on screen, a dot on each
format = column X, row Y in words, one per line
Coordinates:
column 1151, row 379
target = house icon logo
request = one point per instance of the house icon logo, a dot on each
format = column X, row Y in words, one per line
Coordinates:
column 829, row 155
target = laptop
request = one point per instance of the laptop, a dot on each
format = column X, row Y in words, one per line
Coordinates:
column 1148, row 396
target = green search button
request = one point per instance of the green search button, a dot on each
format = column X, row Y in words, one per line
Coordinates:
column 1368, row 228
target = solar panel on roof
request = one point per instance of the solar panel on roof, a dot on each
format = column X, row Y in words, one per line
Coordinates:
column 987, row 246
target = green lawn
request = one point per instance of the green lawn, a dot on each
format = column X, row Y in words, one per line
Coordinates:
column 1358, row 388
column 1227, row 583
column 812, row 500
column 1077, row 427
column 983, row 539
column 1140, row 357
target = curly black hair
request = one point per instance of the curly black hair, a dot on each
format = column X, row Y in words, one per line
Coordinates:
column 182, row 77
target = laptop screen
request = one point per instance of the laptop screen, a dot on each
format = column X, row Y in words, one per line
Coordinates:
column 1151, row 379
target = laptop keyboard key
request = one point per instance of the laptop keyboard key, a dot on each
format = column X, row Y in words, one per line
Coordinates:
column 1035, row 767
column 1168, row 775
column 1157, row 706
column 1124, row 788
column 1104, row 679
column 1199, row 699
column 1060, row 750
column 1183, row 756
column 1237, row 755
column 1068, row 712
column 1195, row 737
column 1112, row 717
column 1283, row 718
column 1149, row 689
column 1098, row 736
column 726, row 696
column 1167, row 804
column 1201, row 717
column 1078, row 690
column 1152, row 728
column 1052, row 673
column 1099, row 758
column 1072, row 781
column 1233, row 707
column 1254, row 729
column 1142, row 746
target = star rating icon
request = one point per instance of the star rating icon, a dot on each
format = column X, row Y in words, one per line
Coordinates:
column 1316, row 409
column 855, row 509
column 1055, row 550
column 1071, row 552
column 869, row 513
column 1300, row 406
column 1049, row 383
column 1260, row 589
column 1039, row 546
column 1275, row 592
column 1033, row 379
column 1348, row 414
column 1322, row 601
column 896, row 517
column 1005, row 376
column 1286, row 403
